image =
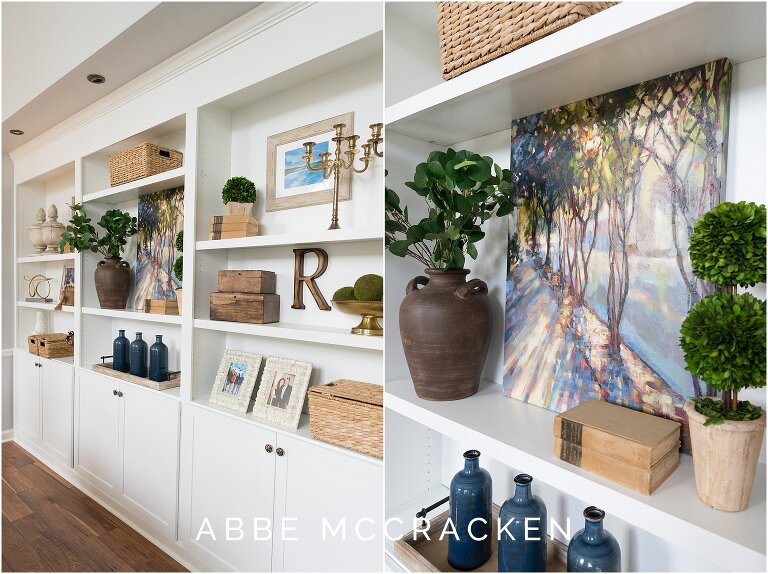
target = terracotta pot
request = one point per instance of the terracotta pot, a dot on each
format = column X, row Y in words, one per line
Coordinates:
column 724, row 459
column 178, row 292
column 113, row 283
column 236, row 208
column 446, row 329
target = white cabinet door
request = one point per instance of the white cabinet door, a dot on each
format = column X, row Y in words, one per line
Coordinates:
column 98, row 441
column 27, row 389
column 151, row 456
column 57, row 389
column 328, row 491
column 232, row 478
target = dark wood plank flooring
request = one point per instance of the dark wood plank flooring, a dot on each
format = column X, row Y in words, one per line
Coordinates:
column 50, row 526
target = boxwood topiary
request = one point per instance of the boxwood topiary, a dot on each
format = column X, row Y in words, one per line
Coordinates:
column 344, row 294
column 728, row 244
column 369, row 288
column 180, row 241
column 178, row 268
column 239, row 189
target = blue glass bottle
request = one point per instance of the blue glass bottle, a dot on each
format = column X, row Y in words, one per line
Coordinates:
column 139, row 357
column 120, row 352
column 470, row 501
column 522, row 550
column 158, row 360
column 594, row 549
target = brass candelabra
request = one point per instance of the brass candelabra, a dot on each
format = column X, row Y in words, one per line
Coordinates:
column 333, row 163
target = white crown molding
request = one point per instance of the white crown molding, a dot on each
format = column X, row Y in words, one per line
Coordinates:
column 261, row 18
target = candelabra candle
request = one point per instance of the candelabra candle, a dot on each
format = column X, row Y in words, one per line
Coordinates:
column 331, row 164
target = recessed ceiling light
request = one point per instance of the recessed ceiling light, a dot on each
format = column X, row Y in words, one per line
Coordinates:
column 96, row 78
column 17, row 132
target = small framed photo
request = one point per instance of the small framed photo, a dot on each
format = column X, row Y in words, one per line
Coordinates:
column 235, row 380
column 282, row 390
column 289, row 183
column 67, row 288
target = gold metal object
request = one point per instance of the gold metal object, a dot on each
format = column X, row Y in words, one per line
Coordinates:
column 331, row 164
column 268, row 447
column 370, row 311
column 280, row 452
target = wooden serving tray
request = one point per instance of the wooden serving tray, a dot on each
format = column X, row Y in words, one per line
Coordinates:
column 422, row 555
column 106, row 369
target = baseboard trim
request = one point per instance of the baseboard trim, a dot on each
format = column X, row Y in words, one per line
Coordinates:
column 172, row 548
column 7, row 435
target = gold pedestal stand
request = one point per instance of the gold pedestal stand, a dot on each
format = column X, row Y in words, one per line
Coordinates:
column 370, row 311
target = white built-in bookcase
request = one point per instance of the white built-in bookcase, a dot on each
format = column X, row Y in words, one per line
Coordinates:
column 627, row 43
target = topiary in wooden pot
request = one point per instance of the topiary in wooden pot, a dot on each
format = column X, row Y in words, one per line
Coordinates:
column 239, row 195
column 723, row 339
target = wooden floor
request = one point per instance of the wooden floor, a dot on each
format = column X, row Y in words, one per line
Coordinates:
column 50, row 526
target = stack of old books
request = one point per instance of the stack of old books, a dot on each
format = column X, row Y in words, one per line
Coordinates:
column 632, row 448
column 231, row 226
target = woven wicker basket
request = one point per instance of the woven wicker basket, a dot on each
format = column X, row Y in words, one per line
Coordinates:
column 348, row 414
column 52, row 345
column 141, row 161
column 473, row 33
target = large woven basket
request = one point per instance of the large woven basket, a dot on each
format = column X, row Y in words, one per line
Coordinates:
column 348, row 414
column 141, row 161
column 473, row 33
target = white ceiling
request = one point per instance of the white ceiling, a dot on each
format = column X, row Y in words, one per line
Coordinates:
column 49, row 48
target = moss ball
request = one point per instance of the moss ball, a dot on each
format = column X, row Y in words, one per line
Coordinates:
column 369, row 288
column 344, row 294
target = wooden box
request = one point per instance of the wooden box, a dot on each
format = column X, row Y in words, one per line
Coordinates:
column 161, row 307
column 348, row 414
column 245, row 307
column 246, row 281
column 425, row 555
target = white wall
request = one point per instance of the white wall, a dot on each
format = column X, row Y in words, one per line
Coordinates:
column 7, row 305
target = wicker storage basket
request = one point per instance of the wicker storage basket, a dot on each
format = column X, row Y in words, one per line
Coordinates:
column 473, row 33
column 52, row 345
column 140, row 161
column 349, row 414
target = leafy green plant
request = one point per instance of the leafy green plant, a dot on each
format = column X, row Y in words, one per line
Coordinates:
column 728, row 244
column 462, row 190
column 82, row 236
column 178, row 265
column 723, row 337
column 239, row 189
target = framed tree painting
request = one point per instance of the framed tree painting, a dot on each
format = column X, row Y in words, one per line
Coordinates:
column 598, row 275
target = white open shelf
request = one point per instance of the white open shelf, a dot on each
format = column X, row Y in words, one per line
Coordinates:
column 301, row 238
column 324, row 335
column 621, row 46
column 133, row 315
column 134, row 189
column 303, row 432
column 521, row 434
column 45, row 306
column 46, row 258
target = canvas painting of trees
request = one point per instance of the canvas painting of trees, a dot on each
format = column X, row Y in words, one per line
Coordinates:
column 599, row 279
column 161, row 217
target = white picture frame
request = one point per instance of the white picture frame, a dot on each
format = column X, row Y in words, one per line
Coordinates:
column 284, row 406
column 235, row 380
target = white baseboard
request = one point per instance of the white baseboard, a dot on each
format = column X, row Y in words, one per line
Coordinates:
column 7, row 435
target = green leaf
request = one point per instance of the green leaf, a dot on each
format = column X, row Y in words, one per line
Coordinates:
column 472, row 250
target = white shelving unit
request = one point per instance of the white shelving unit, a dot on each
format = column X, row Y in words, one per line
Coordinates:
column 45, row 306
column 133, row 315
column 628, row 43
column 47, row 257
column 319, row 237
column 135, row 189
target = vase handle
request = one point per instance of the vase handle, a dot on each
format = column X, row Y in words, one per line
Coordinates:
column 413, row 284
column 124, row 264
column 471, row 288
column 100, row 263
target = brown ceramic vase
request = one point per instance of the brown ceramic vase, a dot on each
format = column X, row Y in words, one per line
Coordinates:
column 113, row 283
column 446, row 329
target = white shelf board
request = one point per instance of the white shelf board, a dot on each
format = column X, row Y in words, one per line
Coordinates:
column 133, row 315
column 324, row 335
column 47, row 257
column 292, row 239
column 621, row 46
column 175, row 392
column 521, row 434
column 303, row 432
column 45, row 306
column 134, row 189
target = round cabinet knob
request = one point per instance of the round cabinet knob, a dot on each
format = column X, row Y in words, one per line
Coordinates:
column 119, row 393
column 114, row 392
column 280, row 452
column 268, row 447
